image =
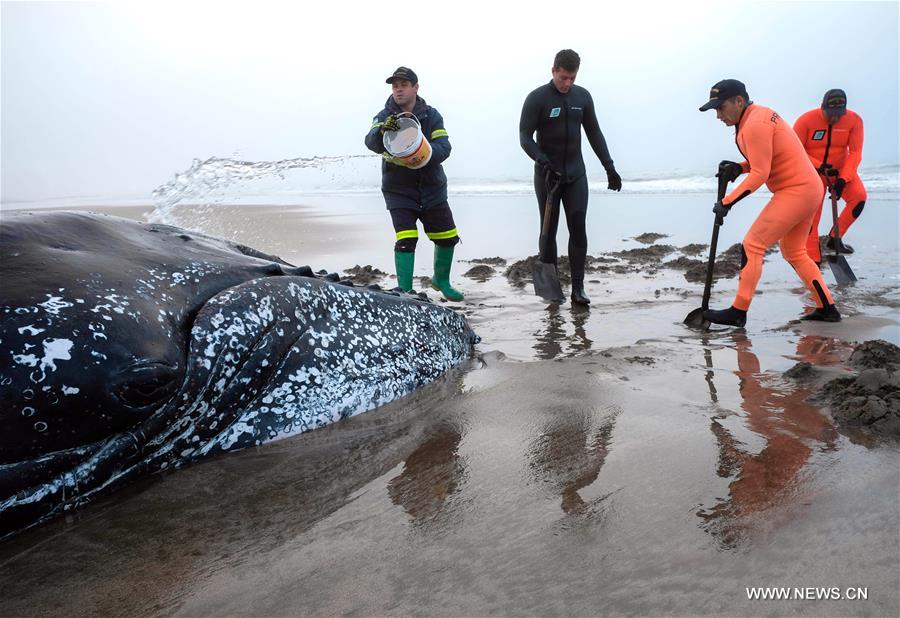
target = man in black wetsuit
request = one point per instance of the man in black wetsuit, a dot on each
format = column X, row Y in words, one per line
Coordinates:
column 557, row 111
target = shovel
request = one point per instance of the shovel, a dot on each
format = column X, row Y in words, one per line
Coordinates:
column 838, row 263
column 544, row 275
column 695, row 318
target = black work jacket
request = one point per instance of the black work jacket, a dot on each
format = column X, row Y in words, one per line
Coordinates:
column 404, row 187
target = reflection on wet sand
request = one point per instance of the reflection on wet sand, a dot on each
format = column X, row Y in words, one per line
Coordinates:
column 214, row 517
column 431, row 475
column 770, row 485
column 568, row 455
column 822, row 351
column 710, row 374
column 550, row 340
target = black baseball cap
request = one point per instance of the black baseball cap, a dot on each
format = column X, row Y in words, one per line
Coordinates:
column 722, row 91
column 403, row 73
column 834, row 103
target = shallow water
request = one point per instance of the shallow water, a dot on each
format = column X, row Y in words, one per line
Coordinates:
column 630, row 466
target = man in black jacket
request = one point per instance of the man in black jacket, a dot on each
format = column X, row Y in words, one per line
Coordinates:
column 557, row 111
column 416, row 194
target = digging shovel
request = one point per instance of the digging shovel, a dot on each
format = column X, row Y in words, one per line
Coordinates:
column 545, row 275
column 838, row 263
column 695, row 318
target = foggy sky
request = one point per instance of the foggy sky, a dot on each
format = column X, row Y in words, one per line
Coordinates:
column 113, row 99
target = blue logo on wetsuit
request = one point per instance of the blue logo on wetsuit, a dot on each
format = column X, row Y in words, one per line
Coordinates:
column 818, row 135
column 554, row 113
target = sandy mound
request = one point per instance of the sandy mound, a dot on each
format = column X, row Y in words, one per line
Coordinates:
column 645, row 254
column 801, row 372
column 871, row 399
column 364, row 275
column 685, row 263
column 876, row 354
column 728, row 265
column 480, row 273
column 694, row 249
column 490, row 261
column 519, row 273
column 648, row 238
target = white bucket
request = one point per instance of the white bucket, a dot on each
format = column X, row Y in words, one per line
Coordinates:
column 407, row 146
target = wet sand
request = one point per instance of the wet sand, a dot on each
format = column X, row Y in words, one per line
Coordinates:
column 601, row 461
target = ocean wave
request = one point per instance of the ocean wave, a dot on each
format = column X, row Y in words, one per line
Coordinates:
column 291, row 181
column 878, row 179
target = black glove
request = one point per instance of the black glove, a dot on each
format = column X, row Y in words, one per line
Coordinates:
column 390, row 124
column 721, row 211
column 838, row 187
column 729, row 170
column 546, row 169
column 827, row 170
column 613, row 179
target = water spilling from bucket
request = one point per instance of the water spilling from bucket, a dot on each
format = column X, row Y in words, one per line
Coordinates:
column 217, row 180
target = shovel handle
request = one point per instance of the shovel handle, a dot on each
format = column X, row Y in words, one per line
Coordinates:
column 552, row 187
column 710, row 265
column 834, row 216
column 723, row 182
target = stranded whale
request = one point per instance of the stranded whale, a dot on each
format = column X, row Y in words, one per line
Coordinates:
column 129, row 348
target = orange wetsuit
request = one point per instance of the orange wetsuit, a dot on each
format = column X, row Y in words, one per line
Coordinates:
column 774, row 156
column 840, row 146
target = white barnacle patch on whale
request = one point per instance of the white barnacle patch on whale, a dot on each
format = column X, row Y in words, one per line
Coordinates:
column 70, row 390
column 25, row 359
column 97, row 330
column 228, row 438
column 119, row 302
column 31, row 330
column 54, row 304
column 54, row 350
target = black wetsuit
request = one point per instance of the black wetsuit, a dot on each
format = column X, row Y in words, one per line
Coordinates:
column 558, row 118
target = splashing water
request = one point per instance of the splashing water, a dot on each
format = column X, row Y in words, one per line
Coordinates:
column 207, row 180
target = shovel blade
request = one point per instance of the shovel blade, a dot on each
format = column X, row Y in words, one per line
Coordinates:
column 695, row 319
column 546, row 282
column 841, row 270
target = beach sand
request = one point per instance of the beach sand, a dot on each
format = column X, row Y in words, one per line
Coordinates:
column 587, row 461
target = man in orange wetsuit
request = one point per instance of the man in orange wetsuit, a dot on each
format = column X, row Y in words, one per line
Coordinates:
column 774, row 156
column 833, row 138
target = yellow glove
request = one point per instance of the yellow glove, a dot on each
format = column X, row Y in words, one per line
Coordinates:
column 390, row 124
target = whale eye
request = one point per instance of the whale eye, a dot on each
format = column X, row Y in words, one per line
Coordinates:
column 147, row 384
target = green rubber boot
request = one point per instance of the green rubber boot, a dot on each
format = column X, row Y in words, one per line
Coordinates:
column 443, row 260
column 404, row 262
